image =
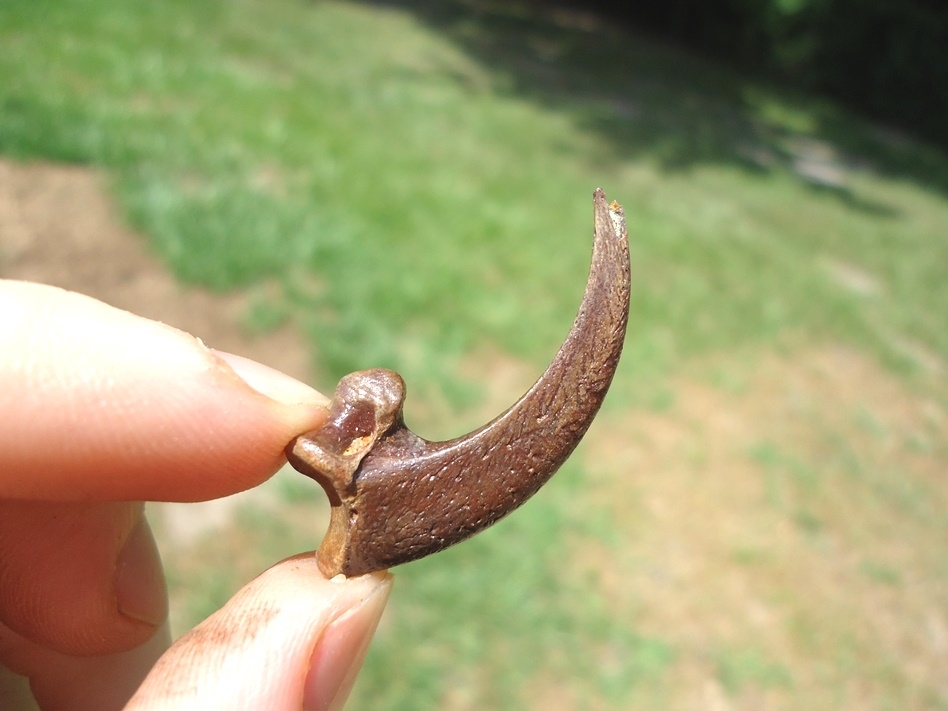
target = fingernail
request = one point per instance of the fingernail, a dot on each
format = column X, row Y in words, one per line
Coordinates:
column 272, row 383
column 339, row 654
column 140, row 590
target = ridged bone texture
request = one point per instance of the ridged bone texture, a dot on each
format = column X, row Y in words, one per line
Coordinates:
column 396, row 497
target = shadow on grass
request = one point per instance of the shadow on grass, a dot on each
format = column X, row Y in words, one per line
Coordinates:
column 646, row 99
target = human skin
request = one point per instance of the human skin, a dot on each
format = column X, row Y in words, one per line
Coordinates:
column 102, row 410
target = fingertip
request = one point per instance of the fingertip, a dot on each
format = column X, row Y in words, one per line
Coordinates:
column 80, row 579
column 101, row 403
column 272, row 383
column 287, row 636
column 340, row 652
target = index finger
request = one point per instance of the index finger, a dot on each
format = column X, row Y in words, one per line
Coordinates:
column 100, row 404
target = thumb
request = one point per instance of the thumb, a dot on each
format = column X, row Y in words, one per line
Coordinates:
column 291, row 639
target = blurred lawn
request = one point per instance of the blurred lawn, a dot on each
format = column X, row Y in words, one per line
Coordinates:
column 417, row 182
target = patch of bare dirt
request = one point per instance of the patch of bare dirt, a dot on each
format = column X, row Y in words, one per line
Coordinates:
column 784, row 529
column 58, row 226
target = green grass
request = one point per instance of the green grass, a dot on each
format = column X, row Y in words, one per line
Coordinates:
column 413, row 201
column 416, row 182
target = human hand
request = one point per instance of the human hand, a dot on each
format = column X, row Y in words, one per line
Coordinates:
column 102, row 410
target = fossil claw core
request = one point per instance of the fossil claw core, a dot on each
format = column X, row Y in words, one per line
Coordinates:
column 396, row 497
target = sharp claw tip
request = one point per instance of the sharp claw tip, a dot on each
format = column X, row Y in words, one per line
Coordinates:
column 599, row 196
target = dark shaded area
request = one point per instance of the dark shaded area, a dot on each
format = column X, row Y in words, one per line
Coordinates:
column 885, row 58
column 644, row 96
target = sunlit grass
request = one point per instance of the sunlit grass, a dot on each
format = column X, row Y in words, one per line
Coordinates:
column 410, row 202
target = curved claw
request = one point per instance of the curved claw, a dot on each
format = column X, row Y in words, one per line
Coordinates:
column 397, row 497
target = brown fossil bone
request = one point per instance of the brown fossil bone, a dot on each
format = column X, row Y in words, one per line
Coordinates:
column 396, row 497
